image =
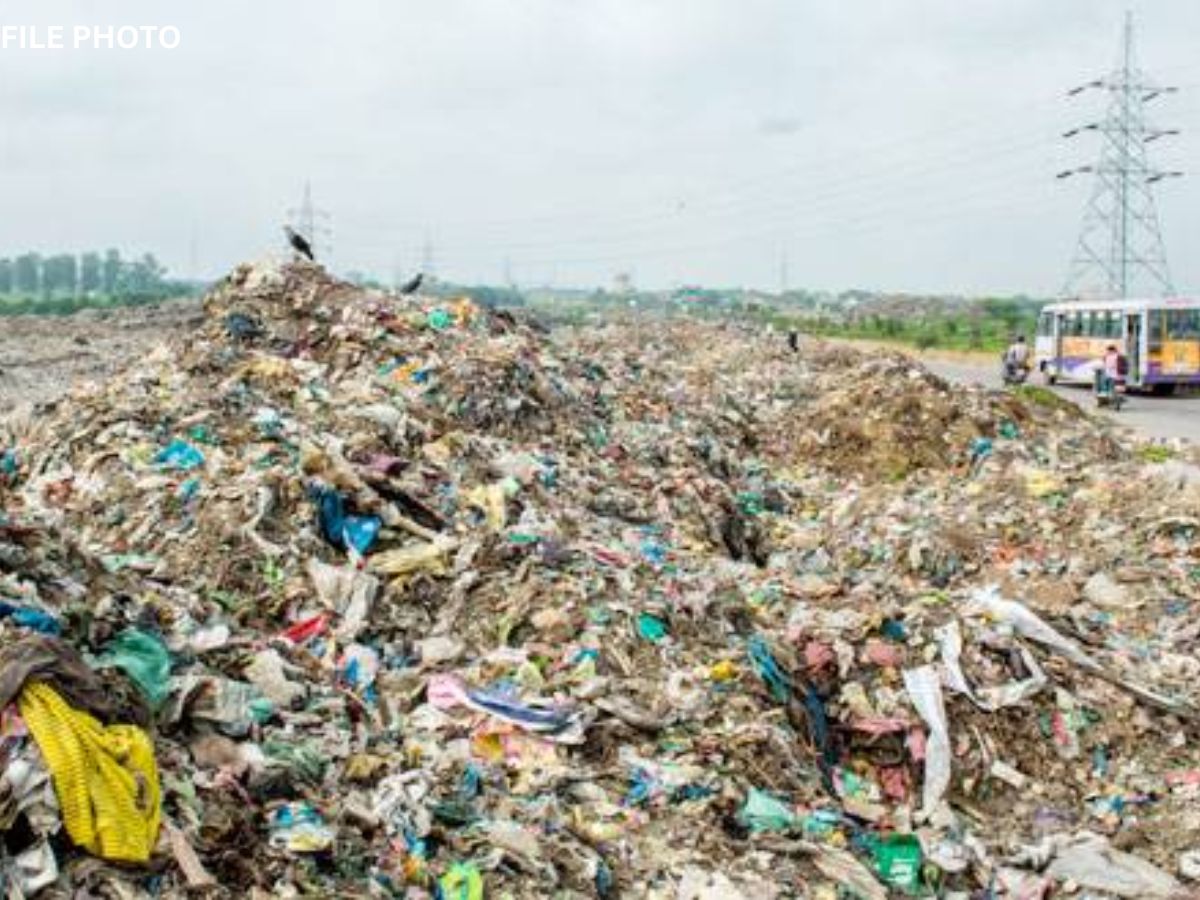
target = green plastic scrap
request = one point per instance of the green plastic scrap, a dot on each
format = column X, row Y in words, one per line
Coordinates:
column 115, row 562
column 201, row 434
column 898, row 861
column 750, row 503
column 651, row 627
column 462, row 882
column 261, row 710
column 763, row 812
column 439, row 319
column 142, row 657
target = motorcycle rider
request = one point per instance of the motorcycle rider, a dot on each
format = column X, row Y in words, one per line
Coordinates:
column 1016, row 358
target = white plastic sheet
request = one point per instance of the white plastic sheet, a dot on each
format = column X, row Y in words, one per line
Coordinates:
column 924, row 687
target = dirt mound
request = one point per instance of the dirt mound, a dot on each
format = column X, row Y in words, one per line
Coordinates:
column 883, row 417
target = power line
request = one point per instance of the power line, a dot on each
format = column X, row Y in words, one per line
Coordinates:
column 313, row 223
column 1120, row 246
column 853, row 191
column 427, row 257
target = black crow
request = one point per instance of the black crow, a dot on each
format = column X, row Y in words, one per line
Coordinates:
column 298, row 242
column 412, row 284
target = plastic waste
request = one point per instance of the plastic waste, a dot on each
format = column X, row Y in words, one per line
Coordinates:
column 924, row 688
column 797, row 527
column 29, row 617
column 298, row 828
column 763, row 812
column 768, row 669
column 144, row 658
column 651, row 628
column 898, row 860
column 242, row 326
column 554, row 723
column 346, row 532
column 462, row 882
column 358, row 669
column 1092, row 863
column 105, row 777
column 179, row 455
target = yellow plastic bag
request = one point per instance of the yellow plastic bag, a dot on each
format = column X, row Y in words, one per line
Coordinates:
column 105, row 777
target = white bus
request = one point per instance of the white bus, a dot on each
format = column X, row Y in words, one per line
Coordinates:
column 1159, row 341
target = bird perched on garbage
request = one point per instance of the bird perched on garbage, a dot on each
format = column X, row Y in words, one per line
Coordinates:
column 299, row 243
column 412, row 284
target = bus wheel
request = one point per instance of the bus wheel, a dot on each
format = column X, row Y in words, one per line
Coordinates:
column 1049, row 377
column 1164, row 390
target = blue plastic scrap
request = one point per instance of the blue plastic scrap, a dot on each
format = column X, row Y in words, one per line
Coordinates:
column 768, row 669
column 605, row 883
column 819, row 735
column 8, row 465
column 539, row 719
column 345, row 532
column 241, row 326
column 981, row 449
column 471, row 783
column 29, row 617
column 179, row 455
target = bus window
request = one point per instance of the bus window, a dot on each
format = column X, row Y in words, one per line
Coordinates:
column 1075, row 324
column 1183, row 324
column 1045, row 326
column 1112, row 329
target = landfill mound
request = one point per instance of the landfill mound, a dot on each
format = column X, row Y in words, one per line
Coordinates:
column 885, row 417
column 346, row 594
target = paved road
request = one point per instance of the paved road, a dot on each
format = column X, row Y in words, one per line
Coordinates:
column 1155, row 417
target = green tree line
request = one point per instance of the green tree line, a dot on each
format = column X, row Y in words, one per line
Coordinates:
column 989, row 330
column 66, row 282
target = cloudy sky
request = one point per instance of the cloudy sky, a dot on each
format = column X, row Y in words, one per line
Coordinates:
column 892, row 144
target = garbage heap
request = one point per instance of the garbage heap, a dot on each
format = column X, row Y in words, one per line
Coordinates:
column 351, row 595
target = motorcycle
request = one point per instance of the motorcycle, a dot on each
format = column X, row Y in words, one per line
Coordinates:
column 1011, row 373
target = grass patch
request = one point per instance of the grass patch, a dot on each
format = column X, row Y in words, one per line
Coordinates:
column 1154, row 453
column 1037, row 395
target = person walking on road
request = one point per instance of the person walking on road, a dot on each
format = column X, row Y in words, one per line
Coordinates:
column 1112, row 363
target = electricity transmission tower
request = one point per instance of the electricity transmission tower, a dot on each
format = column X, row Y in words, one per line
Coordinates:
column 313, row 223
column 427, row 258
column 1120, row 246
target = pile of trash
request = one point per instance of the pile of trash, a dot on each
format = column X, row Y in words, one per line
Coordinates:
column 357, row 595
column 885, row 418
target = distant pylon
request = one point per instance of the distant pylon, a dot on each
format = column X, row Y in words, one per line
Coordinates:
column 1120, row 249
column 313, row 223
column 428, row 262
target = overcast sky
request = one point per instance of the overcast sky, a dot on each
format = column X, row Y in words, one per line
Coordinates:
column 890, row 144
